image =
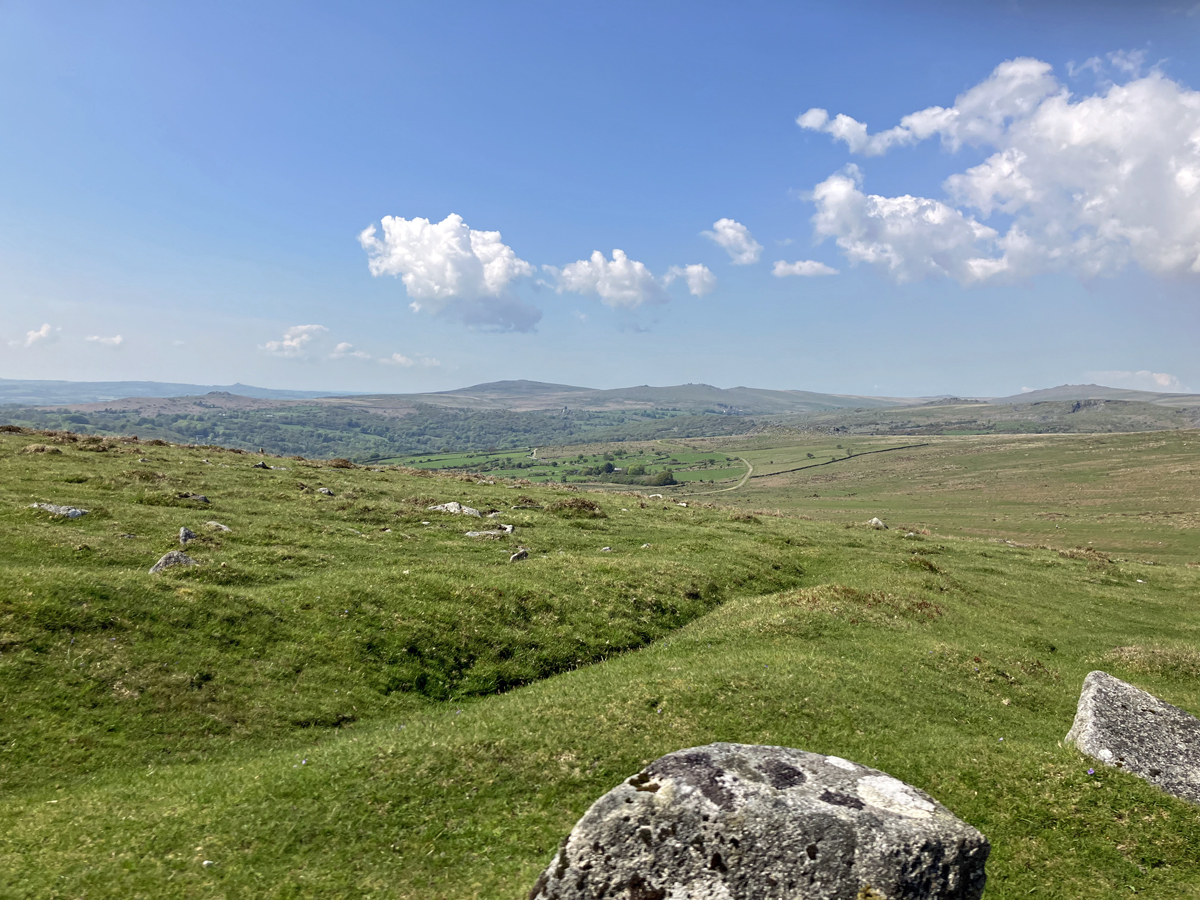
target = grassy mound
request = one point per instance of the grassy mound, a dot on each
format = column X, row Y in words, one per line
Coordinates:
column 264, row 715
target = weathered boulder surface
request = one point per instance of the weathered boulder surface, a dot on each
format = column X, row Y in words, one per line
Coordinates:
column 1127, row 728
column 186, row 534
column 746, row 822
column 172, row 558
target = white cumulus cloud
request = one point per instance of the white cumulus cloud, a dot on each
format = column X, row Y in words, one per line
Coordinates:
column 346, row 350
column 1143, row 380
column 450, row 269
column 1086, row 184
column 699, row 279
column 47, row 334
column 737, row 240
column 115, row 341
column 621, row 282
column 807, row 268
column 295, row 341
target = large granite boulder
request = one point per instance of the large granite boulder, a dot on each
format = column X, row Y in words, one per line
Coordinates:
column 746, row 822
column 1127, row 728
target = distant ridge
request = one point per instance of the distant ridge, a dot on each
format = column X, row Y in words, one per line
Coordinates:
column 54, row 393
column 1099, row 392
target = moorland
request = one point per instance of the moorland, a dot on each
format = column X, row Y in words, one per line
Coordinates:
column 351, row 697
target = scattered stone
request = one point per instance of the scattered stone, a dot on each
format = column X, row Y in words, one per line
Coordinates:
column 486, row 534
column 186, row 534
column 70, row 512
column 522, row 553
column 682, row 504
column 738, row 820
column 606, row 549
column 645, row 546
column 143, row 459
column 217, row 526
column 41, row 448
column 173, row 558
column 912, row 534
column 129, row 535
column 187, row 495
column 260, row 465
column 457, row 509
column 326, row 491
column 1127, row 728
column 655, row 497
column 876, row 523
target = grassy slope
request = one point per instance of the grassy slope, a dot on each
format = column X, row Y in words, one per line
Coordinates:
column 873, row 658
column 1133, row 495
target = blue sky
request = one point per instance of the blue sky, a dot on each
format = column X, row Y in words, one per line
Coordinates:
column 197, row 178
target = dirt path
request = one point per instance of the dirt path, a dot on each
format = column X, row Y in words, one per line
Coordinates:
column 745, row 478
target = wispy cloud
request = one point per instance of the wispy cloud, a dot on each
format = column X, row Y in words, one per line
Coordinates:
column 345, row 350
column 115, row 341
column 47, row 334
column 806, row 268
column 295, row 341
column 399, row 359
column 1143, row 380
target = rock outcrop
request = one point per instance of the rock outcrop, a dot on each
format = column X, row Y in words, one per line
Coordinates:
column 457, row 509
column 173, row 558
column 730, row 821
column 186, row 534
column 70, row 512
column 1124, row 727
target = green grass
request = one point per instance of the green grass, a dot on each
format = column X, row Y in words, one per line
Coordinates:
column 912, row 654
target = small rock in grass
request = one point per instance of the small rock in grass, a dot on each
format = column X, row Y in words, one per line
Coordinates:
column 173, row 558
column 1127, row 728
column 742, row 821
column 645, row 546
column 260, row 465
column 70, row 512
column 457, row 509
column 522, row 553
column 682, row 504
column 606, row 549
column 217, row 526
column 876, row 523
column 486, row 534
column 326, row 491
column 186, row 534
column 188, row 495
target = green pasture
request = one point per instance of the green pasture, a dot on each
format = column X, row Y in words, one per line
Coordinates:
column 345, row 701
column 584, row 464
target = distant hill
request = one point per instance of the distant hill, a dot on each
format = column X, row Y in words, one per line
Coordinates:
column 697, row 399
column 1098, row 392
column 55, row 393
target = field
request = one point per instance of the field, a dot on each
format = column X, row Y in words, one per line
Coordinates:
column 343, row 700
column 590, row 464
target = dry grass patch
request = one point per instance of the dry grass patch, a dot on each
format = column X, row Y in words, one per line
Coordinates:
column 1157, row 659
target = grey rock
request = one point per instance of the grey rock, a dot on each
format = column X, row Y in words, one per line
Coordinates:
column 188, row 495
column 1124, row 727
column 522, row 553
column 876, row 523
column 186, row 534
column 217, row 526
column 326, row 491
column 606, row 549
column 173, row 558
column 260, row 465
column 70, row 512
column 457, row 509
column 486, row 534
column 746, row 822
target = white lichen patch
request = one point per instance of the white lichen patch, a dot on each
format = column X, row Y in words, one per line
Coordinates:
column 893, row 795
